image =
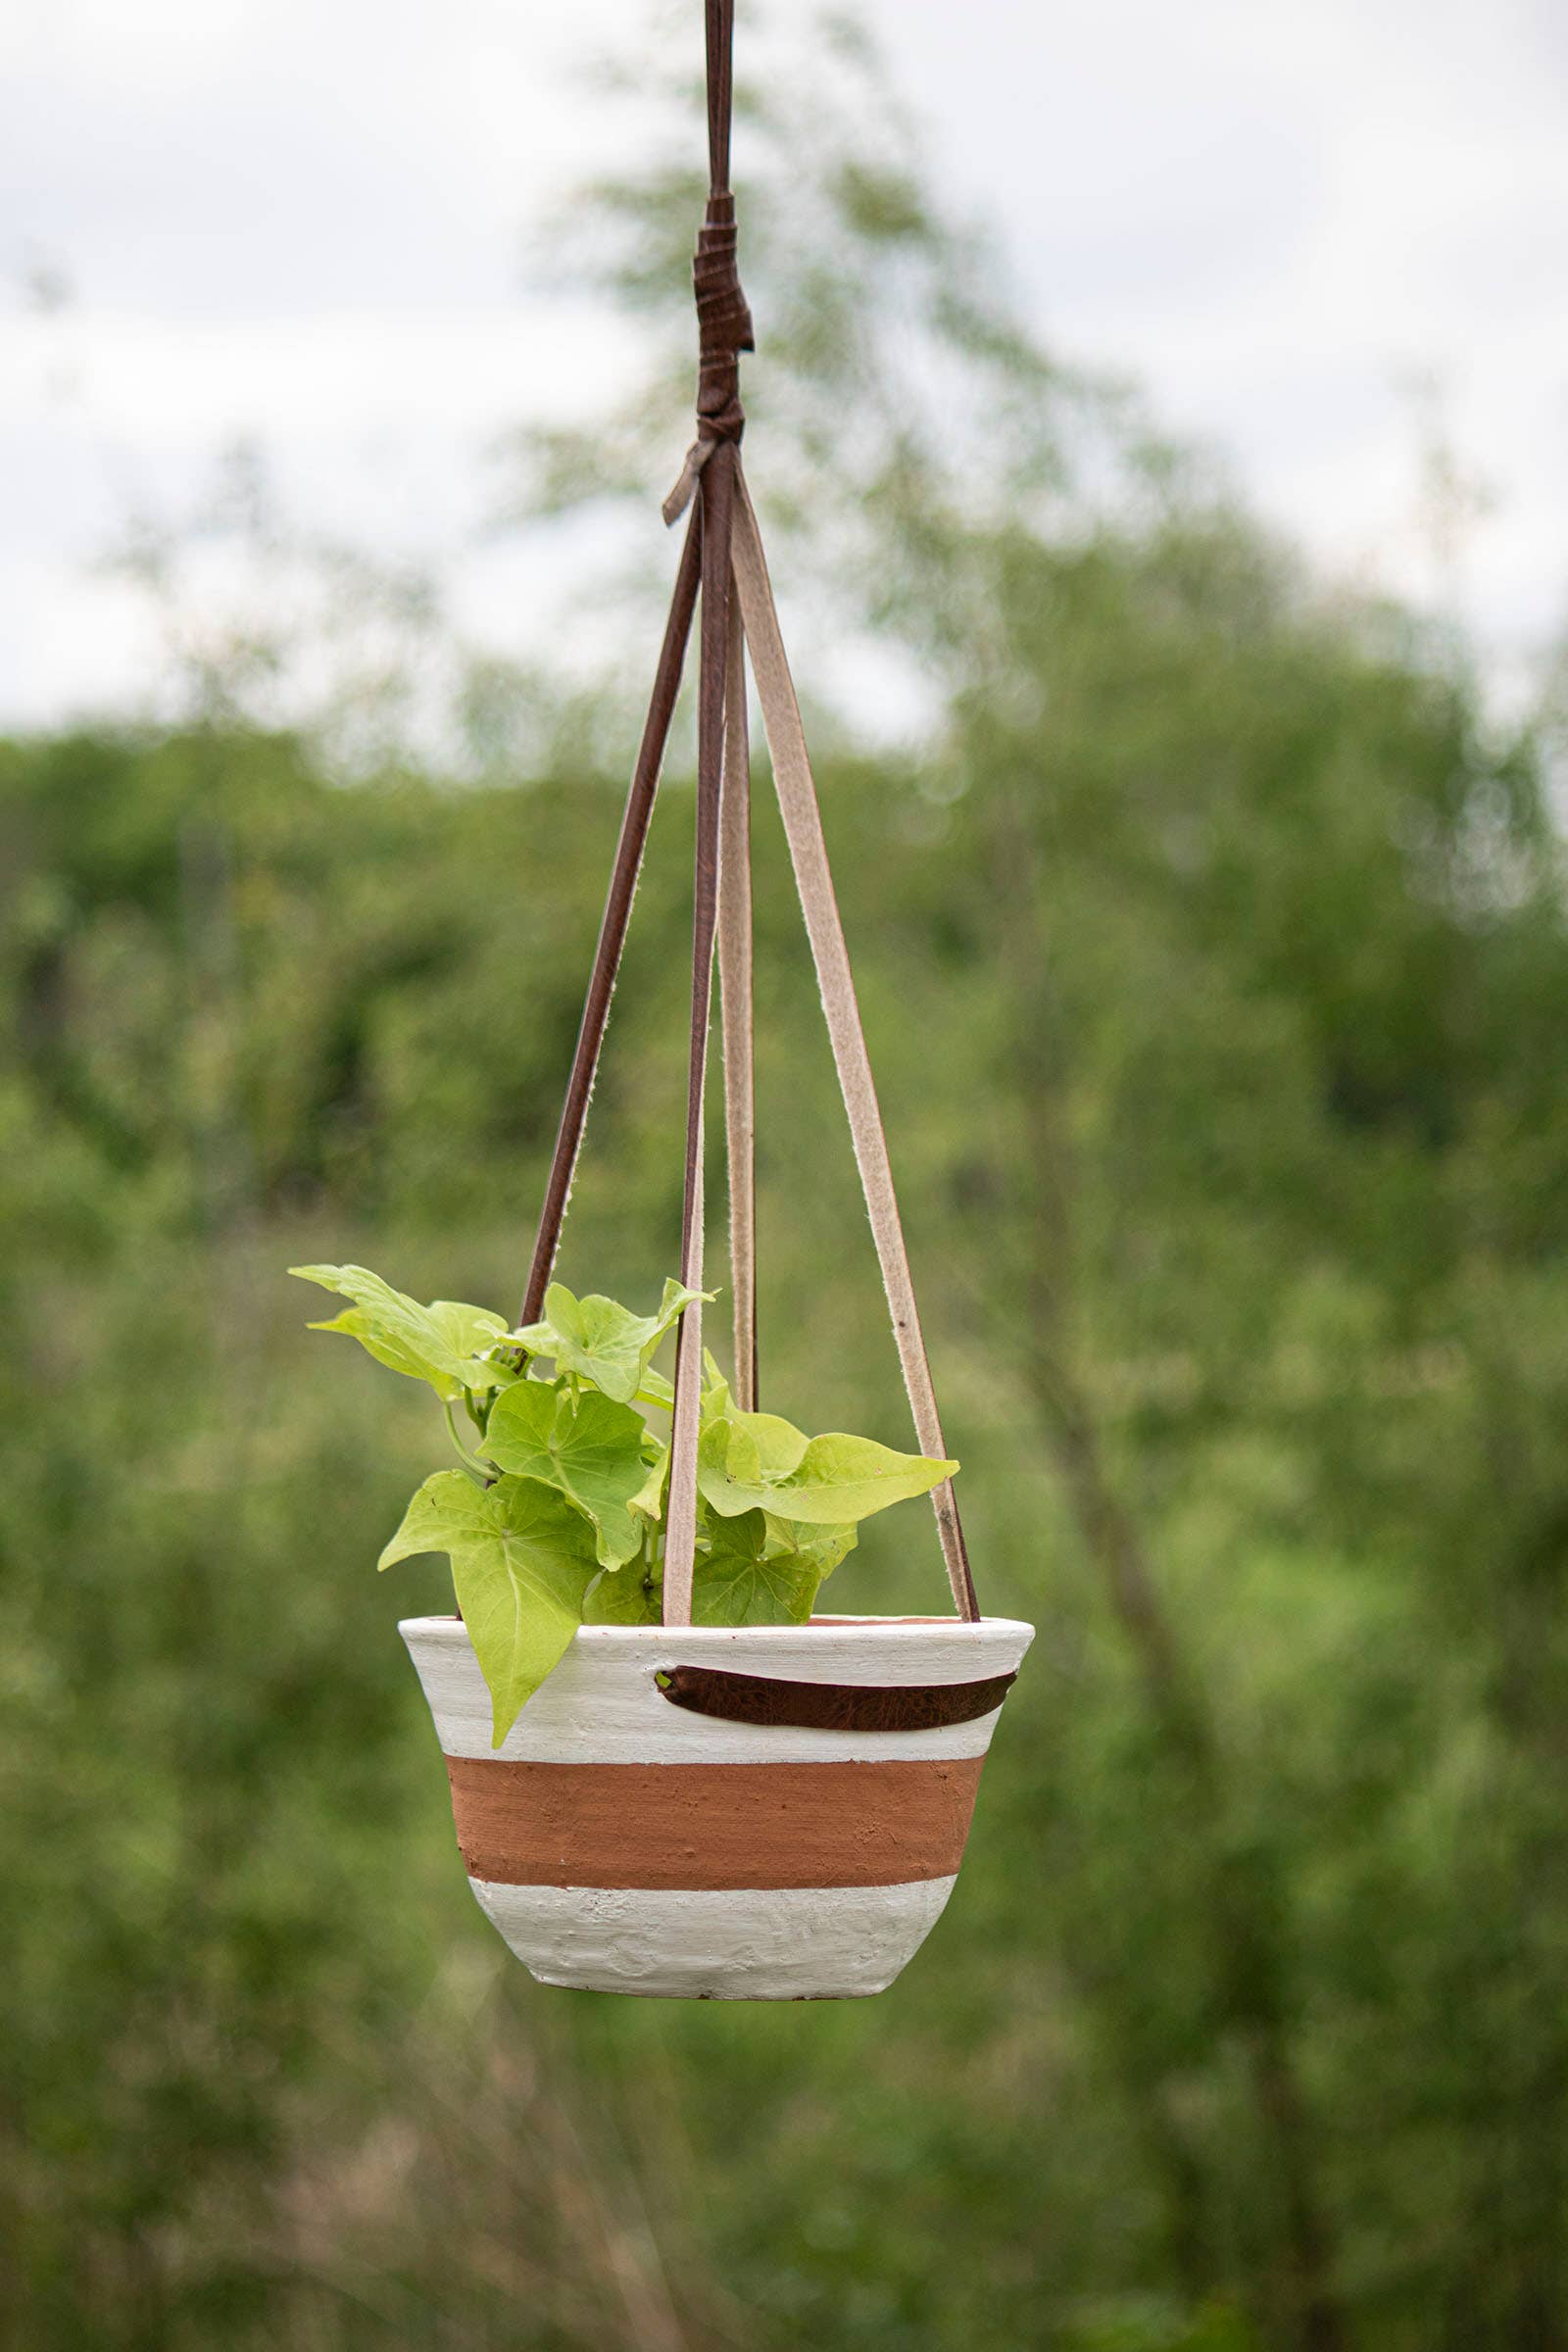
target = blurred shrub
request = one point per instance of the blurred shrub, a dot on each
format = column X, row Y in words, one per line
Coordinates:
column 1215, row 980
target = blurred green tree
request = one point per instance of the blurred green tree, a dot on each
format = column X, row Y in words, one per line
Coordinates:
column 1212, row 950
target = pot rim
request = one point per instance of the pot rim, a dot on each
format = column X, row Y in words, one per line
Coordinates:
column 451, row 1627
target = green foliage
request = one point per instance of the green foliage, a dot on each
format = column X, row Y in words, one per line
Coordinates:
column 584, row 1444
column 1214, row 976
column 442, row 1343
column 632, row 1597
column 755, row 1462
column 1214, row 962
column 1295, row 1233
column 522, row 1558
column 598, row 1342
column 585, row 1480
column 746, row 1577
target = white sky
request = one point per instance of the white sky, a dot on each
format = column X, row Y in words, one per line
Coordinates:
column 302, row 222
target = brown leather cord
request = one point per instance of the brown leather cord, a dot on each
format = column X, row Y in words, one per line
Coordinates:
column 718, row 27
column 736, row 1025
column 832, row 1706
column 716, row 507
column 723, row 321
column 612, row 925
column 723, row 325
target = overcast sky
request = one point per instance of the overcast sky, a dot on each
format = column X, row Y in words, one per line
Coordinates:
column 301, row 222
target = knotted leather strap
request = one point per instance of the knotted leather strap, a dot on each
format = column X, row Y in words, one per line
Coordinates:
column 723, row 317
column 724, row 547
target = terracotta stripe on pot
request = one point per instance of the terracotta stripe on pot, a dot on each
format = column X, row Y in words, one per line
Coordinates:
column 713, row 1826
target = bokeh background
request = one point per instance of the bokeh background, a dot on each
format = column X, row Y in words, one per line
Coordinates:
column 1157, row 424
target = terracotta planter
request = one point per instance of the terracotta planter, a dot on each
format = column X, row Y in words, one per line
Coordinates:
column 799, row 1843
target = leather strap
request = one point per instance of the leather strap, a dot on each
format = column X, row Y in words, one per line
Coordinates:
column 735, row 1003
column 802, row 826
column 831, row 1706
column 724, row 331
column 723, row 547
column 613, row 924
column 723, row 319
column 716, row 507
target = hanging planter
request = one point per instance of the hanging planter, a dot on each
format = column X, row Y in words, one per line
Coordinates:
column 757, row 1813
column 669, row 1773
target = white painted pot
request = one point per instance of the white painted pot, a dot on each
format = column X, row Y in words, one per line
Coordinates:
column 627, row 1844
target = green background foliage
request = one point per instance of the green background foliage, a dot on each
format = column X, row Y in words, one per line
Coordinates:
column 1214, row 964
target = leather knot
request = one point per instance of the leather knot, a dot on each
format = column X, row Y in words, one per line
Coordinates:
column 724, row 332
column 724, row 326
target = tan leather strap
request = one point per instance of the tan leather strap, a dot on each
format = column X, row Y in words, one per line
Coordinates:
column 735, row 1003
column 717, row 507
column 724, row 331
column 803, row 827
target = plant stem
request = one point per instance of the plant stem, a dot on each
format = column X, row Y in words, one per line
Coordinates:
column 470, row 1463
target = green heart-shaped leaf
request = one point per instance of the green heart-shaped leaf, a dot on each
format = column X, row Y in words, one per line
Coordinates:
column 818, row 1548
column 588, row 1446
column 601, row 1341
column 737, row 1581
column 521, row 1560
column 622, row 1597
column 749, row 1461
column 442, row 1343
